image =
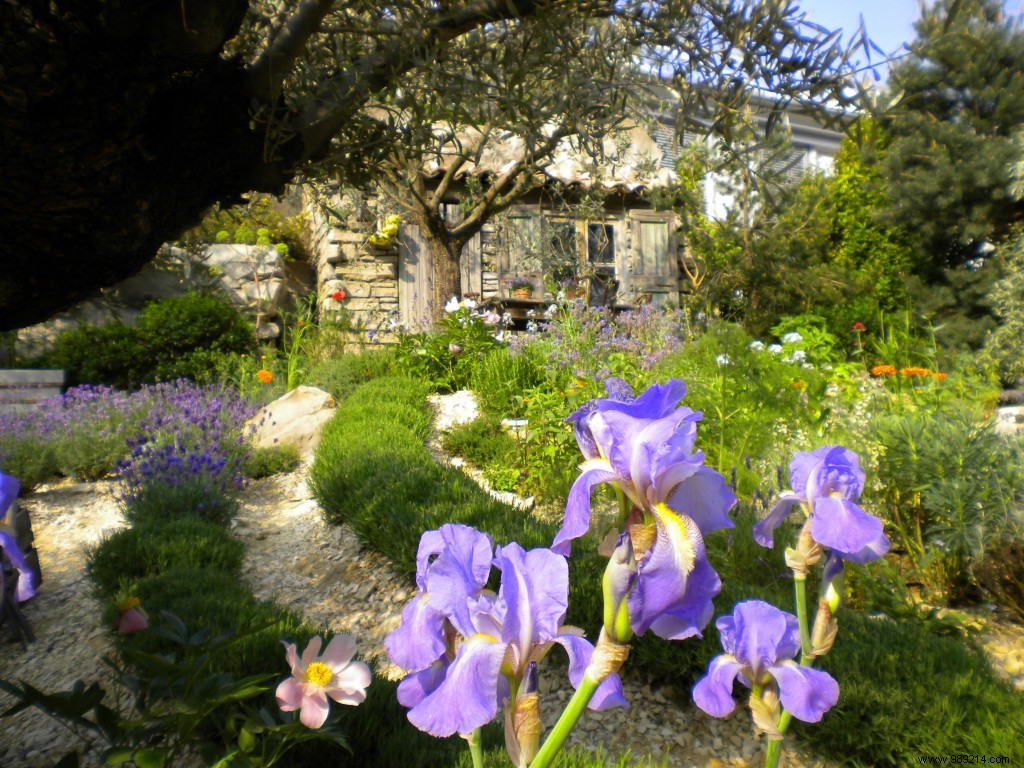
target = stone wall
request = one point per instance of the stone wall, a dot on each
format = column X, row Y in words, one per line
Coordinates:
column 352, row 275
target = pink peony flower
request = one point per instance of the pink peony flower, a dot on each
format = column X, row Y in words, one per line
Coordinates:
column 316, row 677
column 131, row 618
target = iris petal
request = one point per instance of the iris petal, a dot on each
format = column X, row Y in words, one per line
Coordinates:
column 416, row 687
column 764, row 529
column 467, row 697
column 672, row 579
column 609, row 693
column 713, row 692
column 459, row 572
column 577, row 507
column 705, row 498
column 805, row 692
column 535, row 587
column 848, row 530
column 419, row 640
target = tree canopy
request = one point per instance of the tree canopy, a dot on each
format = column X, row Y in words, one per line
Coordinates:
column 950, row 154
column 123, row 120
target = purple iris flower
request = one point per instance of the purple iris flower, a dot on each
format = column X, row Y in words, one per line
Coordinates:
column 468, row 649
column 760, row 643
column 26, row 588
column 828, row 481
column 645, row 446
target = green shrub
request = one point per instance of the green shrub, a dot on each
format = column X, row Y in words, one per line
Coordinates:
column 904, row 693
column 90, row 453
column 114, row 354
column 154, row 547
column 272, row 460
column 342, row 374
column 481, row 442
column 500, row 380
column 204, row 597
column 30, row 460
column 172, row 329
column 159, row 500
column 952, row 491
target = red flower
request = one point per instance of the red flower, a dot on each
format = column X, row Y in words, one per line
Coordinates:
column 858, row 326
column 339, row 295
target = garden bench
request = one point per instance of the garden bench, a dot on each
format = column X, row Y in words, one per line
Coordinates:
column 24, row 389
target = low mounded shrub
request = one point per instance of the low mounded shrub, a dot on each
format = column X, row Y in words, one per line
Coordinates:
column 156, row 546
column 341, row 375
column 481, row 442
column 273, row 460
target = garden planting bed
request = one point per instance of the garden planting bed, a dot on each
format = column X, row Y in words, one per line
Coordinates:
column 323, row 572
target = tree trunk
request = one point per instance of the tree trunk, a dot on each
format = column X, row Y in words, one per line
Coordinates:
column 446, row 275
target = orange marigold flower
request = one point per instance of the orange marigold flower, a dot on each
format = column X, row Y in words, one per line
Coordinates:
column 941, row 376
column 912, row 371
column 798, row 385
column 264, row 375
column 883, row 370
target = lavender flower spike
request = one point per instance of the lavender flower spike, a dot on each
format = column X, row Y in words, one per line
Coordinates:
column 645, row 447
column 827, row 482
column 760, row 643
column 467, row 649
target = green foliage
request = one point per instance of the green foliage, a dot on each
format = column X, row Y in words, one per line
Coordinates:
column 176, row 328
column 113, row 354
column 156, row 546
column 1007, row 298
column 177, row 337
column 30, row 459
column 951, row 151
column 342, row 374
column 500, row 378
column 373, row 471
column 481, row 442
column 446, row 357
column 888, row 674
column 952, row 490
column 272, row 460
column 750, row 396
column 258, row 223
column 158, row 500
column 873, row 251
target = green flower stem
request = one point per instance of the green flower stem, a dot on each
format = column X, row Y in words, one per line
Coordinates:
column 476, row 749
column 566, row 722
column 800, row 588
column 772, row 754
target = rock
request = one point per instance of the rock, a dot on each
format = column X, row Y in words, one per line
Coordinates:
column 294, row 419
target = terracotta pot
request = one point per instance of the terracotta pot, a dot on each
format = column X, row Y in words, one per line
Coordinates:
column 522, row 293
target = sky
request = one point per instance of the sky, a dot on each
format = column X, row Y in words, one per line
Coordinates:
column 889, row 23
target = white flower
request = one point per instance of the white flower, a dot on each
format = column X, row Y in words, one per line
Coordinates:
column 798, row 356
column 506, row 319
column 550, row 312
column 806, row 365
column 499, row 336
column 775, row 349
column 469, row 304
column 757, row 345
column 531, row 314
column 531, row 326
column 452, row 305
column 722, row 359
column 792, row 338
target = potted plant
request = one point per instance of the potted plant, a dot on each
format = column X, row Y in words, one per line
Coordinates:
column 521, row 287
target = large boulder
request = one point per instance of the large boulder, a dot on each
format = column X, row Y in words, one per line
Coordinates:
column 294, row 419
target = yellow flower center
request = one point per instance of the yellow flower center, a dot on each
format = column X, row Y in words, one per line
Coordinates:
column 318, row 673
column 128, row 603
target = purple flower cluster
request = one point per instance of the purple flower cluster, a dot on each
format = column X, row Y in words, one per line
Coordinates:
column 190, row 434
column 585, row 339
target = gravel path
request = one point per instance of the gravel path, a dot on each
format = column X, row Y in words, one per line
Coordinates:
column 324, row 573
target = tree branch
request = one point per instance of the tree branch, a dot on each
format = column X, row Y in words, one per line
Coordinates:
column 268, row 72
